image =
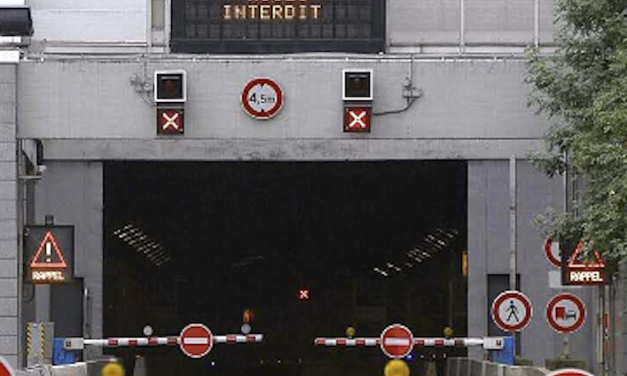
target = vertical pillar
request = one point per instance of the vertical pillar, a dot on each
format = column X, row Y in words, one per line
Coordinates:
column 8, row 215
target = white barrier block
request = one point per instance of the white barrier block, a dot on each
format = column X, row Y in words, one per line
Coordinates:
column 77, row 369
column 74, row 344
column 493, row 343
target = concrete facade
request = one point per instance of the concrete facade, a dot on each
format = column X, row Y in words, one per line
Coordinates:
column 73, row 193
column 472, row 109
column 489, row 254
column 8, row 215
column 463, row 99
column 73, row 90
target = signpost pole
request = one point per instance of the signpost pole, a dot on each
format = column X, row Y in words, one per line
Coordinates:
column 512, row 237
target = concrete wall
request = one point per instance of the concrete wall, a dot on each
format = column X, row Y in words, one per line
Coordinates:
column 469, row 22
column 90, row 20
column 8, row 216
column 410, row 22
column 470, row 109
column 73, row 194
column 489, row 247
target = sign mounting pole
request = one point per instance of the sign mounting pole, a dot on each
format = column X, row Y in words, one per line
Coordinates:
column 512, row 236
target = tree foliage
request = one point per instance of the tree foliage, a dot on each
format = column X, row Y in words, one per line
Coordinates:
column 582, row 89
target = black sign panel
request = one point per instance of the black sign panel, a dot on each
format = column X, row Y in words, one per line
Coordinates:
column 49, row 253
column 278, row 26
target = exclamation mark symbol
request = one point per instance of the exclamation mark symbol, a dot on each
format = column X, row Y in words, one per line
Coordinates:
column 48, row 252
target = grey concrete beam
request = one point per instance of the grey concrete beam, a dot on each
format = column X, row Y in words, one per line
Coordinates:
column 284, row 150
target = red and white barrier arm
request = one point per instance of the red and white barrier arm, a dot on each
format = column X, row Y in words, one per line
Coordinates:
column 488, row 343
column 347, row 342
column 237, row 338
column 133, row 342
column 80, row 343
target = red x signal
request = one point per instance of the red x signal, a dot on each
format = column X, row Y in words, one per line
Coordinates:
column 170, row 121
column 357, row 119
column 303, row 294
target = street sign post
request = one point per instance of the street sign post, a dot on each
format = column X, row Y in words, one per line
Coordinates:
column 262, row 98
column 570, row 372
column 5, row 368
column 565, row 313
column 196, row 340
column 512, row 311
column 397, row 341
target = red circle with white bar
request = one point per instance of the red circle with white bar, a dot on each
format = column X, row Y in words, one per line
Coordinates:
column 565, row 313
column 397, row 341
column 552, row 252
column 512, row 311
column 570, row 372
column 262, row 98
column 5, row 368
column 196, row 340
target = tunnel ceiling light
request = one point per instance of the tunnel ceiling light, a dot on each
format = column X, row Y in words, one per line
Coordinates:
column 134, row 237
column 437, row 241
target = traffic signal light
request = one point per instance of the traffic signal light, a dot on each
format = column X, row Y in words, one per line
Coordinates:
column 170, row 121
column 357, row 85
column 170, row 87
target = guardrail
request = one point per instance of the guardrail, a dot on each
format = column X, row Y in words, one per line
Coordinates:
column 473, row 367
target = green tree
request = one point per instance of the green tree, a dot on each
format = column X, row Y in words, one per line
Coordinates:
column 582, row 89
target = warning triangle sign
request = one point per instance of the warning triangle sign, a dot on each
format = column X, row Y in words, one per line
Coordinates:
column 574, row 262
column 48, row 255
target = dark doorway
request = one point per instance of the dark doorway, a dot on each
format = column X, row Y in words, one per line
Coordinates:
column 372, row 243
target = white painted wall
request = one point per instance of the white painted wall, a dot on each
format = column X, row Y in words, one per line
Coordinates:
column 90, row 20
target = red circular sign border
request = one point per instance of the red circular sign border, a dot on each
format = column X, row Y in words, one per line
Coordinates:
column 570, row 372
column 499, row 300
column 259, row 115
column 210, row 340
column 549, row 255
column 403, row 327
column 4, row 363
column 573, row 298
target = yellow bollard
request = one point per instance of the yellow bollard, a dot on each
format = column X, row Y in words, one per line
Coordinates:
column 396, row 367
column 113, row 369
column 448, row 332
column 350, row 332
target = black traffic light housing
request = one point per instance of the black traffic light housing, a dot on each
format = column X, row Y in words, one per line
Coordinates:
column 170, row 86
column 357, row 85
column 15, row 22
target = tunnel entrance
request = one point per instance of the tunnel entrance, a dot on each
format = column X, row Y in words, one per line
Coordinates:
column 297, row 249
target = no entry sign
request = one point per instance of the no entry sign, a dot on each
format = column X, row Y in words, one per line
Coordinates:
column 552, row 252
column 565, row 313
column 196, row 340
column 570, row 372
column 397, row 341
column 5, row 368
column 512, row 311
column 262, row 98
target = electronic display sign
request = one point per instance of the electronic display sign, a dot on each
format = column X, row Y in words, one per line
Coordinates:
column 49, row 252
column 278, row 26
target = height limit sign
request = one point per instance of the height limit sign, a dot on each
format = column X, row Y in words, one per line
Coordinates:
column 262, row 98
column 49, row 253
